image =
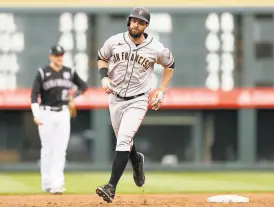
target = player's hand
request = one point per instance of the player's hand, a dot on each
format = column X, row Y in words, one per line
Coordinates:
column 106, row 85
column 157, row 99
column 38, row 121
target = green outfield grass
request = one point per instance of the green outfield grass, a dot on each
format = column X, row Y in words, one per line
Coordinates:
column 157, row 182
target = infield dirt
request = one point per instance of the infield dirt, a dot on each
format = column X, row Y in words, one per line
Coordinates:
column 167, row 200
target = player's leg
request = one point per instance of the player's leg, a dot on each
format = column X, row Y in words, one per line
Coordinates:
column 61, row 136
column 137, row 160
column 132, row 115
column 135, row 112
column 121, row 158
column 45, row 133
column 115, row 110
column 134, row 156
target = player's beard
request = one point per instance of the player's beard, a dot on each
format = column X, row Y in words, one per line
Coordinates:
column 135, row 35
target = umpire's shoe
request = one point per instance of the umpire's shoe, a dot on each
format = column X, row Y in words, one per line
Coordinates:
column 107, row 192
column 138, row 171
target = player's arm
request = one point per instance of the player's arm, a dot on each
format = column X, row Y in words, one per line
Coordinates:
column 35, row 91
column 167, row 76
column 166, row 59
column 82, row 87
column 102, row 67
column 80, row 83
column 104, row 55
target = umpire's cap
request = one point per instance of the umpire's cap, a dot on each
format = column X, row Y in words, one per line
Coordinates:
column 139, row 13
column 57, row 50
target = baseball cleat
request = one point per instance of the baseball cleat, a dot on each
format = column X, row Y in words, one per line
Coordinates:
column 57, row 191
column 46, row 190
column 138, row 171
column 107, row 192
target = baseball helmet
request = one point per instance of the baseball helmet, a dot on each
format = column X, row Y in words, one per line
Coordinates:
column 139, row 13
column 57, row 50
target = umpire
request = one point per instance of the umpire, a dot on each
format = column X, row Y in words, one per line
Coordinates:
column 52, row 116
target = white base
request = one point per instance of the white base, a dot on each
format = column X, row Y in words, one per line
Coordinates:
column 228, row 199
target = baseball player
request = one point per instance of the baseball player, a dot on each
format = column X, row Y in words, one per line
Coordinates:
column 53, row 83
column 125, row 62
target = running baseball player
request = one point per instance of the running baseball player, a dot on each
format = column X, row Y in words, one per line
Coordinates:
column 53, row 83
column 125, row 62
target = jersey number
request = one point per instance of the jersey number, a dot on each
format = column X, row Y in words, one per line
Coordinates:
column 65, row 94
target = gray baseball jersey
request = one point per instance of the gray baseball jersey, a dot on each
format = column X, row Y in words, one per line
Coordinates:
column 130, row 68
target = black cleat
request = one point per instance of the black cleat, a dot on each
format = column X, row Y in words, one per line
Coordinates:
column 138, row 171
column 107, row 192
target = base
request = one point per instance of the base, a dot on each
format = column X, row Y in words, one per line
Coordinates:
column 228, row 199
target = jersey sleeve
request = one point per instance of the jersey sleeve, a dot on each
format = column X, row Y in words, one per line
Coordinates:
column 36, row 86
column 165, row 58
column 82, row 85
column 105, row 52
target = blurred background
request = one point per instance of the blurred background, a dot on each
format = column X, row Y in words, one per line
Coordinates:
column 218, row 113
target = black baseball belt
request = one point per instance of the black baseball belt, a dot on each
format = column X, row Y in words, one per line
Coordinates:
column 53, row 108
column 129, row 97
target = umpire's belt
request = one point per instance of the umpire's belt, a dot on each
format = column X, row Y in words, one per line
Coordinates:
column 129, row 97
column 53, row 108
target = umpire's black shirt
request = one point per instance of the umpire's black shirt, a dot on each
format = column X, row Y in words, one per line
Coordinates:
column 54, row 86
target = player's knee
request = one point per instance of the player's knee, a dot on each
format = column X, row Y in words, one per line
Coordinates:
column 46, row 152
column 123, row 145
column 60, row 153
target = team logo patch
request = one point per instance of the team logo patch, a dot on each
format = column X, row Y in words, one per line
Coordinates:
column 141, row 12
column 58, row 48
column 66, row 75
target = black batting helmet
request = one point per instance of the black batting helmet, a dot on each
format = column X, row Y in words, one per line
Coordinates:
column 139, row 13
